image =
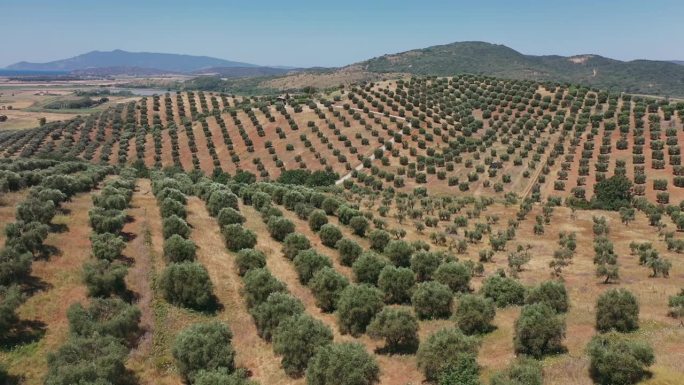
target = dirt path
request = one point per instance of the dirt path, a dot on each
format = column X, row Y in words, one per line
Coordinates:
column 253, row 353
column 59, row 282
column 145, row 249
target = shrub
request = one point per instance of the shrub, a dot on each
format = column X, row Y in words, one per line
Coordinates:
column 221, row 377
column 396, row 283
column 187, row 284
column 294, row 243
column 359, row 224
column 474, row 314
column 552, row 293
column 424, row 264
column 398, row 327
column 399, row 252
column 455, row 275
column 248, row 259
column 443, row 349
column 107, row 245
column 105, row 317
column 175, row 225
column 317, row 219
column 356, row 307
column 178, row 249
column 612, row 193
column 220, row 199
column 238, row 237
column 617, row 309
column 350, row 359
column 379, row 240
column 327, row 285
column 259, row 284
column 170, row 207
column 297, row 339
column 204, row 346
column 34, row 210
column 229, row 216
column 538, row 331
column 330, row 234
column 94, row 360
column 10, row 300
column 106, row 221
column 367, row 268
column 104, row 278
column 308, row 262
column 523, row 371
column 465, row 371
column 503, row 290
column 432, row 300
column 277, row 308
column 14, row 265
column 614, row 359
column 349, row 251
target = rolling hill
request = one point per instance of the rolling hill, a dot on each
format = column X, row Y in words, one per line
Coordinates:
column 637, row 76
column 118, row 58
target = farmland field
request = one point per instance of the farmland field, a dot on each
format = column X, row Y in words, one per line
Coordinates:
column 401, row 230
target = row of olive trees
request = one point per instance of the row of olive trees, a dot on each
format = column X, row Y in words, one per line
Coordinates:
column 102, row 332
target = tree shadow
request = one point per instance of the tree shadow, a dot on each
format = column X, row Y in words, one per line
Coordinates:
column 33, row 285
column 128, row 236
column 404, row 349
column 24, row 332
column 129, row 219
column 64, row 211
column 47, row 251
column 58, row 228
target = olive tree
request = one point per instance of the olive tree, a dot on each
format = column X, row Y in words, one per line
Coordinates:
column 356, row 307
column 297, row 339
column 474, row 314
column 538, row 331
column 349, row 358
column 443, row 349
column 396, row 283
column 187, row 284
column 327, row 285
column 432, row 300
column 616, row 359
column 204, row 346
column 294, row 243
column 248, row 259
column 617, row 309
column 278, row 307
column 238, row 237
column 367, row 268
column 179, row 249
column 398, row 327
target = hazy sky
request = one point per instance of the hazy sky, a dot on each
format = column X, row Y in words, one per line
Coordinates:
column 333, row 33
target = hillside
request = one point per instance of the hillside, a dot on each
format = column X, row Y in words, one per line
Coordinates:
column 638, row 76
column 454, row 194
column 119, row 58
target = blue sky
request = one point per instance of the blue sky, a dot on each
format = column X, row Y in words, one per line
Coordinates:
column 332, row 33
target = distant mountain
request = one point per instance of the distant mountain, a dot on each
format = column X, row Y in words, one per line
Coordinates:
column 118, row 58
column 244, row 72
column 115, row 71
column 638, row 76
column 680, row 62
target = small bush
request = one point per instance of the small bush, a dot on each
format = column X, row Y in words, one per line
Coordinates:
column 552, row 293
column 110, row 317
column 349, row 251
column 617, row 360
column 356, row 307
column 474, row 314
column 238, row 237
column 308, row 262
column 330, row 234
column 259, row 284
column 523, row 371
column 398, row 327
column 617, row 309
column 442, row 350
column 277, row 308
column 350, row 359
column 367, row 268
column 187, row 284
column 432, row 300
column 204, row 346
column 104, row 278
column 177, row 249
column 538, row 331
column 327, row 285
column 297, row 339
column 294, row 243
column 88, row 360
column 396, row 283
column 248, row 259
column 503, row 290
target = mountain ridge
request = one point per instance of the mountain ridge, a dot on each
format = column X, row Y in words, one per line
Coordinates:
column 119, row 58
